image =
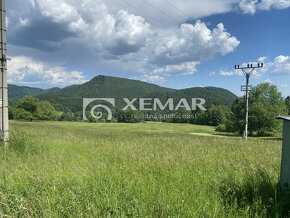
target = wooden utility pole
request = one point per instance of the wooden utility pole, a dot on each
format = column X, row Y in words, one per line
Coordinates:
column 4, row 125
column 247, row 88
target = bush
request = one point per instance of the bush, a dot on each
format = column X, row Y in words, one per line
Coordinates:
column 30, row 109
column 221, row 128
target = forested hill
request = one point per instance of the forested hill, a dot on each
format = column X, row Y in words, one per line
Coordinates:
column 18, row 92
column 70, row 98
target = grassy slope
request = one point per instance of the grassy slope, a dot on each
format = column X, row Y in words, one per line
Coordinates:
column 156, row 170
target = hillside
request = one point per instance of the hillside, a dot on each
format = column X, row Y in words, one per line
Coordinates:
column 70, row 98
column 17, row 92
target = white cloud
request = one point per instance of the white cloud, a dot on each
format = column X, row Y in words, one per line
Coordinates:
column 251, row 6
column 212, row 73
column 268, row 81
column 121, row 33
column 248, row 6
column 231, row 73
column 25, row 70
column 153, row 79
column 187, row 68
column 61, row 12
column 284, row 85
column 113, row 32
column 196, row 42
column 281, row 65
column 23, row 22
column 277, row 4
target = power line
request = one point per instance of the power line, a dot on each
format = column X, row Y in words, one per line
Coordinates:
column 162, row 12
column 154, row 19
column 172, row 5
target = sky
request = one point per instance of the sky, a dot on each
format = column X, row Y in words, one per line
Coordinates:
column 172, row 43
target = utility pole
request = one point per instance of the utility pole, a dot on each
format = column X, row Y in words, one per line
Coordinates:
column 4, row 125
column 248, row 70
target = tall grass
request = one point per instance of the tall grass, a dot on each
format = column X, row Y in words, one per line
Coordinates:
column 54, row 169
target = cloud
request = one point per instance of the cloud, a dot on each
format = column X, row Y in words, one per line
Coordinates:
column 248, row 6
column 187, row 68
column 268, row 81
column 153, row 79
column 23, row 22
column 231, row 73
column 91, row 26
column 251, row 6
column 281, row 65
column 195, row 42
column 25, row 70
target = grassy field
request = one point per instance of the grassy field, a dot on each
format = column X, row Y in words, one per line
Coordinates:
column 59, row 169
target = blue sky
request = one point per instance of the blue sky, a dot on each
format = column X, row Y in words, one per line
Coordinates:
column 176, row 44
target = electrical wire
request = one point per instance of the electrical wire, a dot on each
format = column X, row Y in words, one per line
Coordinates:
column 162, row 12
column 172, row 5
column 154, row 19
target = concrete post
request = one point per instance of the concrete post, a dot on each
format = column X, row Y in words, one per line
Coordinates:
column 285, row 162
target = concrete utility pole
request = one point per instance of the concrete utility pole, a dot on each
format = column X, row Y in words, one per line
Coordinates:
column 247, row 88
column 3, row 78
column 285, row 162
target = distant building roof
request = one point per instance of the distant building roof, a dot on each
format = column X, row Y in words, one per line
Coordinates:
column 284, row 117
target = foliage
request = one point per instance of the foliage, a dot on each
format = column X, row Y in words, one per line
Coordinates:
column 129, row 116
column 265, row 104
column 28, row 104
column 18, row 92
column 22, row 114
column 221, row 128
column 214, row 116
column 45, row 111
column 30, row 108
column 287, row 101
column 68, row 116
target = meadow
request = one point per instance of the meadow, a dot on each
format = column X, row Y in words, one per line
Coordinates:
column 63, row 169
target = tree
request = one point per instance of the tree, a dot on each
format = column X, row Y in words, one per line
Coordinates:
column 214, row 116
column 262, row 119
column 265, row 104
column 129, row 116
column 268, row 94
column 26, row 109
column 29, row 104
column 287, row 101
column 11, row 112
column 30, row 108
column 22, row 114
column 67, row 116
column 45, row 111
column 217, row 115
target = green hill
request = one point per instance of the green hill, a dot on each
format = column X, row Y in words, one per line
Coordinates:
column 70, row 98
column 17, row 92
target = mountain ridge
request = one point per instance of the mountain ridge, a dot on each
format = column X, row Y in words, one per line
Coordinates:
column 70, row 97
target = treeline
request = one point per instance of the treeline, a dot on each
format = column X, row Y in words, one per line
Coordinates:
column 265, row 104
column 30, row 109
